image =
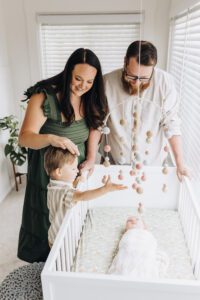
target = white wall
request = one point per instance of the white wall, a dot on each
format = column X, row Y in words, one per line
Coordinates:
column 7, row 107
column 17, row 46
column 20, row 64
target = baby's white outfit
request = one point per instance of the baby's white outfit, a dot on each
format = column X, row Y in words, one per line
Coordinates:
column 138, row 256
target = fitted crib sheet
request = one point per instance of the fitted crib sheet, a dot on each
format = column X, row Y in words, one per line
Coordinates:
column 105, row 226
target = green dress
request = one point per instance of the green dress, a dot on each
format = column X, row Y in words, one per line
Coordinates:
column 33, row 237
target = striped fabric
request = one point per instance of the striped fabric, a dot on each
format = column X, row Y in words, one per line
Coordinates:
column 59, row 200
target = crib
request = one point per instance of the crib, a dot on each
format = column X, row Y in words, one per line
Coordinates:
column 59, row 282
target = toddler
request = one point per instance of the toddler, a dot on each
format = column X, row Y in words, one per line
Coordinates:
column 61, row 166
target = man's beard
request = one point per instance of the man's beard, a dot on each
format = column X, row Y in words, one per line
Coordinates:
column 134, row 89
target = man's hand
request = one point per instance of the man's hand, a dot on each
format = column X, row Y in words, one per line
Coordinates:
column 177, row 149
column 183, row 171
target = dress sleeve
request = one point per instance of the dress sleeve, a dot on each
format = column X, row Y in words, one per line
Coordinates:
column 68, row 198
column 170, row 113
column 48, row 100
column 35, row 89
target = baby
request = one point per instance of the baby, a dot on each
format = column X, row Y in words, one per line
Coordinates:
column 61, row 166
column 138, row 256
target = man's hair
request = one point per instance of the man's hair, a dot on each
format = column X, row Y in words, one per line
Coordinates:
column 56, row 157
column 148, row 53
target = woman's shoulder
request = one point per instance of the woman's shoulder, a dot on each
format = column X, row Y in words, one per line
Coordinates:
column 50, row 105
column 37, row 89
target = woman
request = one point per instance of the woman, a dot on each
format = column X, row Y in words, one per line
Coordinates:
column 61, row 112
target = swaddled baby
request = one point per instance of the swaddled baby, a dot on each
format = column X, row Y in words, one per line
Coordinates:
column 138, row 255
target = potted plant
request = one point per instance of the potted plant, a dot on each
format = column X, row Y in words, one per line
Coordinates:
column 13, row 150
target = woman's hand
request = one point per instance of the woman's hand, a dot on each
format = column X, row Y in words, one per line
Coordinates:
column 64, row 143
column 87, row 165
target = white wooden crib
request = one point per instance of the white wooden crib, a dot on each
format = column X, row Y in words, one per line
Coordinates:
column 59, row 282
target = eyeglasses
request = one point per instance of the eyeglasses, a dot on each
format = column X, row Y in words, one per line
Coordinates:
column 135, row 78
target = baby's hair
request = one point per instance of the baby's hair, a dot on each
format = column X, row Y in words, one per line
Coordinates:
column 56, row 157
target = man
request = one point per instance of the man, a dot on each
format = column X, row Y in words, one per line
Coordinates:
column 141, row 86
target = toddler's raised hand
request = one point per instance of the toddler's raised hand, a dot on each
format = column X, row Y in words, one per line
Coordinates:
column 111, row 187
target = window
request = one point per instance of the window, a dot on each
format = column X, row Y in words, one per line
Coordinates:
column 107, row 35
column 184, row 64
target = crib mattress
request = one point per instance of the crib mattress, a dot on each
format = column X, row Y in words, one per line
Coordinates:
column 105, row 226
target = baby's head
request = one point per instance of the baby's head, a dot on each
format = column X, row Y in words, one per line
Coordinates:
column 60, row 164
column 133, row 222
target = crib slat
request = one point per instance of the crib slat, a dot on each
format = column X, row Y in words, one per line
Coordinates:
column 62, row 255
column 76, row 228
column 70, row 241
column 68, row 247
column 194, row 241
column 79, row 222
column 58, row 262
column 73, row 237
column 193, row 236
column 190, row 219
column 67, row 252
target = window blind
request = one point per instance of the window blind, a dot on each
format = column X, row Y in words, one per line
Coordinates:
column 107, row 35
column 184, row 64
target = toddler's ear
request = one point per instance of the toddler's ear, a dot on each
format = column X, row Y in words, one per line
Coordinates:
column 58, row 172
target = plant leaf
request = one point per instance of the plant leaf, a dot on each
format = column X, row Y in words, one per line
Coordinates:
column 8, row 149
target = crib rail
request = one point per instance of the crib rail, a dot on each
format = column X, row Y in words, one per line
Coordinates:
column 189, row 212
column 63, row 252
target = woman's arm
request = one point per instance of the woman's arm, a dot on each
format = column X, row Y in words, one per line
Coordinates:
column 93, row 142
column 92, row 147
column 29, row 135
column 34, row 119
